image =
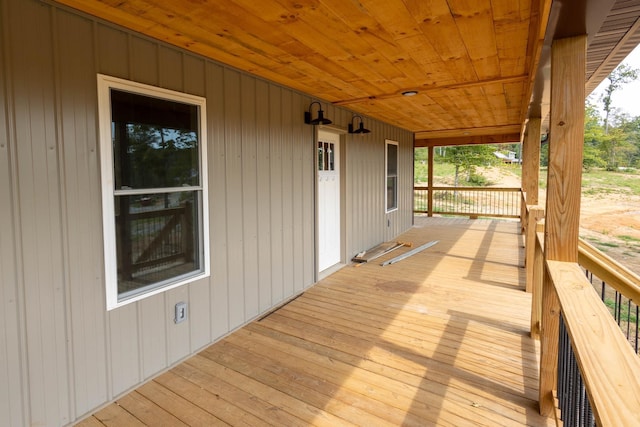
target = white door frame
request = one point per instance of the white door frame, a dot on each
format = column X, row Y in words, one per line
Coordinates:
column 339, row 168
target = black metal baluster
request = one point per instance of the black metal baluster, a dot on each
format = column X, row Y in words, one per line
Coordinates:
column 628, row 318
column 637, row 328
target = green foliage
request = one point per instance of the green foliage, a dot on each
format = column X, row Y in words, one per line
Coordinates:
column 544, row 154
column 420, row 165
column 477, row 180
column 421, row 154
column 593, row 136
column 628, row 238
column 467, row 158
column 154, row 157
column 617, row 146
column 443, row 169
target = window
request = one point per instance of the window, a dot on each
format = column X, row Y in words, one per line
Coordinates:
column 392, row 175
column 326, row 156
column 154, row 196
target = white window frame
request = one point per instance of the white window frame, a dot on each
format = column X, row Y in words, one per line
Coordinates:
column 105, row 84
column 389, row 142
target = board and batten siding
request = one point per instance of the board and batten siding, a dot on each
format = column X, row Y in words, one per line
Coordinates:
column 62, row 354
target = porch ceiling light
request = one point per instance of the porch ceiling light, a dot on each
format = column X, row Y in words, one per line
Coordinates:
column 361, row 129
column 409, row 93
column 320, row 120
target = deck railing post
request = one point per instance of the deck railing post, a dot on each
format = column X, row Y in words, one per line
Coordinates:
column 549, row 332
column 568, row 65
column 523, row 211
column 531, row 160
column 536, row 213
column 537, row 278
column 430, row 182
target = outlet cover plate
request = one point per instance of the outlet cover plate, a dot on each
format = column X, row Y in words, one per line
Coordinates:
column 181, row 312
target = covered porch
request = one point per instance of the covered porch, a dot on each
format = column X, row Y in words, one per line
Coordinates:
column 440, row 338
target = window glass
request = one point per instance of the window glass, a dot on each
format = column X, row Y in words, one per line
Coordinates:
column 391, row 195
column 320, row 155
column 157, row 239
column 154, row 195
column 332, row 165
column 155, row 142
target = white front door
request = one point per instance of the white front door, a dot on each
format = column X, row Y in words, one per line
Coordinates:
column 328, row 199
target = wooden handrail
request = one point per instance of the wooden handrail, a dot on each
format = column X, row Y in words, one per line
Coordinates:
column 503, row 189
column 609, row 270
column 609, row 367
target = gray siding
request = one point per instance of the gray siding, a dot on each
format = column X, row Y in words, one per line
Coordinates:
column 61, row 353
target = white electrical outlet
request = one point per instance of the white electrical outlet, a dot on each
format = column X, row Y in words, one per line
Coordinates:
column 181, row 312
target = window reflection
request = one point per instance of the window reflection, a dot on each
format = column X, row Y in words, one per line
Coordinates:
column 155, row 142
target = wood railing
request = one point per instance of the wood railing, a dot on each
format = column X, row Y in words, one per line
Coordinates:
column 607, row 365
column 589, row 372
column 617, row 287
column 155, row 238
column 473, row 202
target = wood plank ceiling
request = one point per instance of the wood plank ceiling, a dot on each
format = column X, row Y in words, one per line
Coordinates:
column 472, row 62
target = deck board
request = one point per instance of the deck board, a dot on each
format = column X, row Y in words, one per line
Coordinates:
column 440, row 338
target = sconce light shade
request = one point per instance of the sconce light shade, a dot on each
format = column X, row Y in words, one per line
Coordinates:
column 320, row 120
column 361, row 129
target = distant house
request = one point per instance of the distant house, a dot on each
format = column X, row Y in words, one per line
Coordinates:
column 508, row 157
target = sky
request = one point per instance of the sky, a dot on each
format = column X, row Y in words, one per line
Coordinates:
column 626, row 99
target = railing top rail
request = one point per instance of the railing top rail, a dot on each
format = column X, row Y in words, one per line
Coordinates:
column 440, row 188
column 609, row 367
column 609, row 270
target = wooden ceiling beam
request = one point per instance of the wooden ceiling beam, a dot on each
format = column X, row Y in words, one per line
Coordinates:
column 430, row 89
column 471, row 132
column 509, row 138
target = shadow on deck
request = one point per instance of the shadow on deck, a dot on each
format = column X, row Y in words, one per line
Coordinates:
column 440, row 338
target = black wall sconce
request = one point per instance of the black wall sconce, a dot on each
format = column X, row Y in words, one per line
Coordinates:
column 544, row 137
column 320, row 120
column 361, row 129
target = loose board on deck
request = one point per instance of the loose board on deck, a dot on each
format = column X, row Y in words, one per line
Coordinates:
column 378, row 251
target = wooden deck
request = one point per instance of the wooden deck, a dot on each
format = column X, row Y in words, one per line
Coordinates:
column 440, row 338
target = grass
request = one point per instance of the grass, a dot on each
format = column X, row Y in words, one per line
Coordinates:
column 594, row 182
column 608, row 244
column 628, row 239
column 598, row 181
column 626, row 316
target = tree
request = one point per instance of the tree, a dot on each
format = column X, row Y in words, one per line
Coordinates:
column 621, row 75
column 593, row 138
column 155, row 157
column 466, row 158
column 420, row 165
column 629, row 153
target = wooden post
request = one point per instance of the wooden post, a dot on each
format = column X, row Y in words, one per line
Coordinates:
column 568, row 58
column 430, row 183
column 531, row 161
column 523, row 213
column 523, row 187
column 536, row 213
column 524, row 155
column 537, row 267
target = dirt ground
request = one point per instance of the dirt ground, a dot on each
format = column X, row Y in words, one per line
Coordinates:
column 610, row 222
